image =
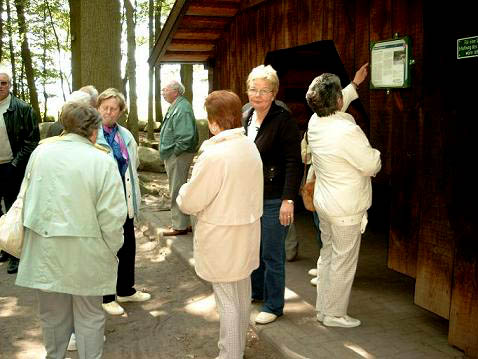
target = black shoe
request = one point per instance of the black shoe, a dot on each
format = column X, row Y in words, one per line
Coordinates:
column 4, row 256
column 12, row 265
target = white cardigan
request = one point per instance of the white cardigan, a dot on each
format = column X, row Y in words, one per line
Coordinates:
column 225, row 192
column 343, row 162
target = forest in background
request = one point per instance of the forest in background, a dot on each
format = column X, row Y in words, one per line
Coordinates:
column 54, row 47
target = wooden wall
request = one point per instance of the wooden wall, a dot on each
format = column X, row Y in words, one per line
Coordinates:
column 448, row 237
column 431, row 236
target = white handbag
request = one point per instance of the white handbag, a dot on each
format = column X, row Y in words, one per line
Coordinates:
column 11, row 229
column 11, row 223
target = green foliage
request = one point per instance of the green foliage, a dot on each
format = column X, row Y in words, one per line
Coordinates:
column 48, row 31
column 48, row 34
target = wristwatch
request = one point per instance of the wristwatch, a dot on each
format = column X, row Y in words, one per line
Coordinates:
column 290, row 201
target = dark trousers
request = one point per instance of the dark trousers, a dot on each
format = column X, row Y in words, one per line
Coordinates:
column 10, row 182
column 126, row 256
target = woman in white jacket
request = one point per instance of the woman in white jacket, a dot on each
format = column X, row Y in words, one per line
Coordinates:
column 225, row 192
column 343, row 162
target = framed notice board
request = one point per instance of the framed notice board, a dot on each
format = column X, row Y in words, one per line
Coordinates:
column 390, row 63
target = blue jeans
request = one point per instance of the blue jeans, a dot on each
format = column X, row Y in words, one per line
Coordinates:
column 268, row 281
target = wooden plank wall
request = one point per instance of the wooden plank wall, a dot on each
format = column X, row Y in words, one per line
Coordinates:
column 449, row 228
column 410, row 127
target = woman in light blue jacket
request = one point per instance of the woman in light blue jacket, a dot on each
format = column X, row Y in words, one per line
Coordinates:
column 73, row 217
column 123, row 148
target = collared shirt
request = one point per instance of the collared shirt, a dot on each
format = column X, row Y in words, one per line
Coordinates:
column 253, row 127
column 6, row 154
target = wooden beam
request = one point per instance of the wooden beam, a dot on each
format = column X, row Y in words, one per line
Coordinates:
column 190, row 45
column 198, row 34
column 212, row 8
column 172, row 23
column 250, row 3
column 186, row 56
column 204, row 22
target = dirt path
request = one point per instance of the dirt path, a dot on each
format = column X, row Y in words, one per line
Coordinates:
column 180, row 321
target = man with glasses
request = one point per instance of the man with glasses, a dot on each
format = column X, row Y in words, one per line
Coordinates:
column 177, row 145
column 19, row 135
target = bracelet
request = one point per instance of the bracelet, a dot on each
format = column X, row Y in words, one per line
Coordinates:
column 355, row 85
column 290, row 201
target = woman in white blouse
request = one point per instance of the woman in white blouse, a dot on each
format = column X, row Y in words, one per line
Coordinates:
column 225, row 192
column 343, row 162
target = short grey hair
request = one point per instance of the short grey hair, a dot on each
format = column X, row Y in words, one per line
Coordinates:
column 5, row 70
column 264, row 73
column 80, row 118
column 324, row 94
column 93, row 92
column 177, row 86
column 78, row 97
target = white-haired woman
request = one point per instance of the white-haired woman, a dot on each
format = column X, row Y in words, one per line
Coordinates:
column 343, row 162
column 86, row 95
column 277, row 138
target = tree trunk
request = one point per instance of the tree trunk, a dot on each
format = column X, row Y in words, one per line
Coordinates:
column 75, row 28
column 157, row 69
column 12, row 53
column 27, row 56
column 1, row 32
column 151, row 73
column 187, row 80
column 22, row 82
column 95, row 43
column 131, row 70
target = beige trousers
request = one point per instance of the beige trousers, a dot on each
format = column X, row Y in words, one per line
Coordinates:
column 177, row 168
column 62, row 314
column 338, row 263
column 233, row 301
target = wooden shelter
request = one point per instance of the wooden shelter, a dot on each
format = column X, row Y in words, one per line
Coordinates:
column 426, row 133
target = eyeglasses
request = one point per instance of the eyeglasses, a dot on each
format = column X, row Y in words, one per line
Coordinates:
column 255, row 92
column 3, row 83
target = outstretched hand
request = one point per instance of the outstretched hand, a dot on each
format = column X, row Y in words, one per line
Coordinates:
column 361, row 74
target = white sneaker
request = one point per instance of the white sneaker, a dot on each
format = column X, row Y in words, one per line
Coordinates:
column 313, row 272
column 139, row 296
column 314, row 281
column 265, row 318
column 113, row 308
column 344, row 322
column 72, row 343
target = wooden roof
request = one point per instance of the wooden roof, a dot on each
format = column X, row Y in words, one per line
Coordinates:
column 192, row 29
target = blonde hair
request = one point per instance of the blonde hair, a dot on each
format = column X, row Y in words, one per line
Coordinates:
column 264, row 73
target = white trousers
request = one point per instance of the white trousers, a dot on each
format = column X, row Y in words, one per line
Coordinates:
column 233, row 301
column 177, row 169
column 62, row 314
column 338, row 263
